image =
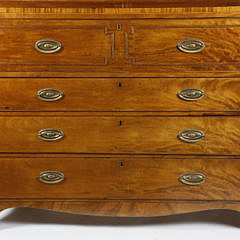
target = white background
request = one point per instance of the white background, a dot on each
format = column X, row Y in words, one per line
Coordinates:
column 36, row 224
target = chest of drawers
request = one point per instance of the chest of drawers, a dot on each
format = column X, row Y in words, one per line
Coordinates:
column 120, row 108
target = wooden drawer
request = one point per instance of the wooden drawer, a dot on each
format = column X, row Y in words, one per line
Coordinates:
column 153, row 45
column 154, row 135
column 131, row 94
column 80, row 45
column 119, row 46
column 142, row 178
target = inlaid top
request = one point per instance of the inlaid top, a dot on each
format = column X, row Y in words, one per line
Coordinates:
column 118, row 3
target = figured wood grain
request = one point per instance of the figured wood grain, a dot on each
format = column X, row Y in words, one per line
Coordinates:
column 148, row 46
column 120, row 151
column 130, row 94
column 134, row 135
column 117, row 3
column 116, row 13
column 9, row 113
column 119, row 156
column 123, row 208
column 124, row 74
column 154, row 45
column 83, row 44
column 109, row 179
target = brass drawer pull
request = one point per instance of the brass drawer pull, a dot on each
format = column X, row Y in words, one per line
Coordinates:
column 192, row 178
column 51, row 177
column 191, row 94
column 48, row 46
column 50, row 134
column 191, row 46
column 49, row 94
column 191, row 135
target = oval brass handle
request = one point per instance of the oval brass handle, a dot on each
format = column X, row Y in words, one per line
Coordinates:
column 191, row 135
column 191, row 94
column 191, row 46
column 50, row 134
column 51, row 177
column 49, row 94
column 192, row 178
column 48, row 46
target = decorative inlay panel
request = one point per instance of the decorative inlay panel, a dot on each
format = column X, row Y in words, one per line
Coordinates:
column 156, row 44
column 83, row 46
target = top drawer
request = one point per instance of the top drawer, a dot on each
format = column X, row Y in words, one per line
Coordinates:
column 55, row 45
column 124, row 46
column 183, row 45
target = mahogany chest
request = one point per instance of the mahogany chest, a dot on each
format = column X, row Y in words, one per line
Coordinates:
column 120, row 108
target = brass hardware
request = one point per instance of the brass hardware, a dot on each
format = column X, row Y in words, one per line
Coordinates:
column 191, row 94
column 48, row 46
column 50, row 134
column 191, row 135
column 192, row 178
column 51, row 177
column 191, row 46
column 49, row 94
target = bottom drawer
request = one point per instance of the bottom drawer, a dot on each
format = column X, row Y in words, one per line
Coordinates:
column 129, row 178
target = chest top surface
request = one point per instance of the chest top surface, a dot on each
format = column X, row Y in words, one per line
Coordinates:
column 119, row 3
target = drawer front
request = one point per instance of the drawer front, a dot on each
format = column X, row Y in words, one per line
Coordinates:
column 142, row 178
column 132, row 94
column 112, row 46
column 183, row 45
column 156, row 135
column 55, row 45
